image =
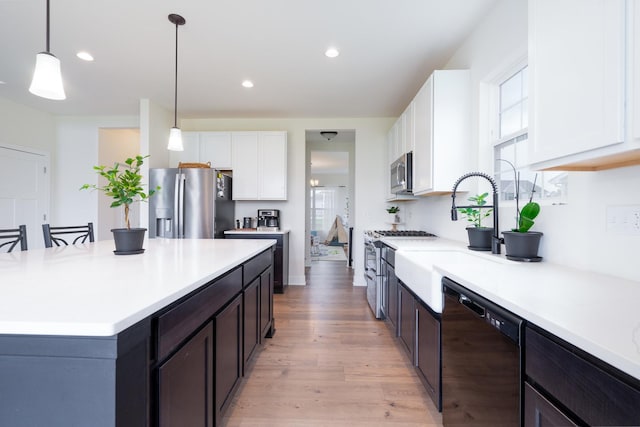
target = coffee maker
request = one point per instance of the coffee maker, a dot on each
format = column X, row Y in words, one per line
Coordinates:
column 268, row 220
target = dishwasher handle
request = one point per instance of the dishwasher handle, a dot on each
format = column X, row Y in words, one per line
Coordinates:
column 471, row 305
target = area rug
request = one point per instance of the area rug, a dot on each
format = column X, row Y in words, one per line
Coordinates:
column 329, row 253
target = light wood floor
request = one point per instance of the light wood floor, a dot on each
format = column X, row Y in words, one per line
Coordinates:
column 330, row 363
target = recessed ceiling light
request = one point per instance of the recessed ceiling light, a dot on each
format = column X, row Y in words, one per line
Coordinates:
column 247, row 84
column 332, row 52
column 85, row 56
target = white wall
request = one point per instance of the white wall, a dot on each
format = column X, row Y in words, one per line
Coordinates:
column 369, row 203
column 114, row 146
column 574, row 234
column 76, row 154
column 26, row 127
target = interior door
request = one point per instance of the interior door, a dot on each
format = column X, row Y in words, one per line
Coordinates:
column 24, row 191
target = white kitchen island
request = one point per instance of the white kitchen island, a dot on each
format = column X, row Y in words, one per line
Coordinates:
column 85, row 334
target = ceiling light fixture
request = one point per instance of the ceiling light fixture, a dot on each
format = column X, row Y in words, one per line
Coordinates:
column 175, row 135
column 85, row 56
column 47, row 78
column 247, row 83
column 332, row 52
column 329, row 135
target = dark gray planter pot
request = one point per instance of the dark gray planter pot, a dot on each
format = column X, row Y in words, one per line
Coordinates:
column 128, row 241
column 522, row 246
column 480, row 238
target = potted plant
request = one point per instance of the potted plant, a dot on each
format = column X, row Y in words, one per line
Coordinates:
column 479, row 236
column 124, row 186
column 520, row 243
column 393, row 212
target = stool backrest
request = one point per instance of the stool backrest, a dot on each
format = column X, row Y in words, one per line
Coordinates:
column 14, row 236
column 79, row 234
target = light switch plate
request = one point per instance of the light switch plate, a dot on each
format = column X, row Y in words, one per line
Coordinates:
column 623, row 219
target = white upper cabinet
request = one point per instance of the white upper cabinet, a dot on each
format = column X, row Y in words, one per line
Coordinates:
column 408, row 132
column 272, row 165
column 634, row 69
column 259, row 165
column 578, row 62
column 204, row 147
column 191, row 153
column 441, row 115
column 215, row 148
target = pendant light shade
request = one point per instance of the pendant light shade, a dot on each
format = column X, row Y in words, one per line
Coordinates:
column 175, row 140
column 175, row 135
column 47, row 78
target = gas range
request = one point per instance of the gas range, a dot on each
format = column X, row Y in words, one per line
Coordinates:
column 375, row 235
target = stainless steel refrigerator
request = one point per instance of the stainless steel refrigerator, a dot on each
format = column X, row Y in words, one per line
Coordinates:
column 193, row 203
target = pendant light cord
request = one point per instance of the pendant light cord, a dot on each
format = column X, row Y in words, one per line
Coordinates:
column 48, row 51
column 175, row 104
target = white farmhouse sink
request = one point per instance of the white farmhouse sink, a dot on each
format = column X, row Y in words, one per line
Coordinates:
column 415, row 269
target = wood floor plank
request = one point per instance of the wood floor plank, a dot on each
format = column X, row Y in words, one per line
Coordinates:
column 330, row 363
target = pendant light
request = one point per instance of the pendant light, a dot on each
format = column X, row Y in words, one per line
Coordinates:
column 175, row 135
column 47, row 79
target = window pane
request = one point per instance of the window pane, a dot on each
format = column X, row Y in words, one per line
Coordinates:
column 511, row 92
column 521, row 153
column 525, row 114
column 510, row 121
column 525, row 82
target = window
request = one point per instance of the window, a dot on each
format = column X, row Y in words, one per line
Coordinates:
column 326, row 204
column 511, row 146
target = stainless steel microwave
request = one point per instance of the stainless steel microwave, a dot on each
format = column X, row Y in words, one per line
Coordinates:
column 402, row 175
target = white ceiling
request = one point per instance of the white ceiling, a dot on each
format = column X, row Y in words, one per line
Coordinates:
column 388, row 48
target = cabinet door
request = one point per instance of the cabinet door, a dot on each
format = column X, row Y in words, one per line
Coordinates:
column 392, row 281
column 251, row 326
column 539, row 412
column 191, row 153
column 422, row 151
column 408, row 129
column 185, row 384
column 272, row 166
column 244, row 155
column 406, row 327
column 634, row 75
column 428, row 352
column 266, row 302
column 228, row 355
column 576, row 67
column 215, row 147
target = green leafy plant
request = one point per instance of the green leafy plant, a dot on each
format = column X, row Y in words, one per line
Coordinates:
column 475, row 214
column 393, row 209
column 124, row 184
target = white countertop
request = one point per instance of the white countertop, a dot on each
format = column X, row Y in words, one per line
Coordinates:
column 86, row 290
column 253, row 230
column 595, row 312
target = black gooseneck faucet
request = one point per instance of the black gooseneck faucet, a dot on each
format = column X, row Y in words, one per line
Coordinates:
column 495, row 240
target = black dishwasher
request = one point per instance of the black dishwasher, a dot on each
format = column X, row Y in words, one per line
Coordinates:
column 482, row 362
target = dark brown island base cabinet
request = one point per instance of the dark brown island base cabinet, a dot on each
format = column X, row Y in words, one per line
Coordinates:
column 178, row 367
column 280, row 256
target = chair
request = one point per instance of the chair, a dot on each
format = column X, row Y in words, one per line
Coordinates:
column 17, row 235
column 81, row 232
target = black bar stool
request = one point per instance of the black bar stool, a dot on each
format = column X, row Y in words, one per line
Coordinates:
column 15, row 236
column 81, row 233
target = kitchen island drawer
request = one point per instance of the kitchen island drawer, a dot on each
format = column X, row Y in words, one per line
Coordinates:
column 177, row 324
column 587, row 387
column 257, row 265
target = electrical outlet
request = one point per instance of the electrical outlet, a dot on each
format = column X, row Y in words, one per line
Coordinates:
column 623, row 219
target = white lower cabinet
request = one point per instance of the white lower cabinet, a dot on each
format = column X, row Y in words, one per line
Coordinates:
column 259, row 165
column 441, row 114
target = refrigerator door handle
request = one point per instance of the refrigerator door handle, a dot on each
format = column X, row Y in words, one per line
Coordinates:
column 178, row 205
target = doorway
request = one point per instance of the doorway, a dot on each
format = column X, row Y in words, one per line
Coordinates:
column 330, row 187
column 24, row 191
